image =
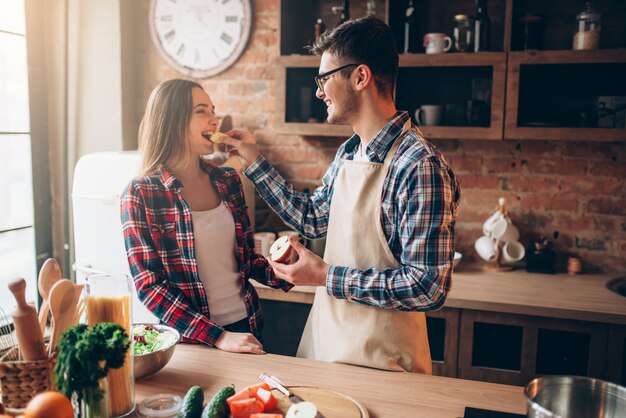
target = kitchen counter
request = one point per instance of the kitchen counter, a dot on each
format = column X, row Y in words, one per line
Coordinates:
column 581, row 297
column 384, row 394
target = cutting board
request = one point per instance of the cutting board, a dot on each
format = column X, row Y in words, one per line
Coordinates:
column 329, row 403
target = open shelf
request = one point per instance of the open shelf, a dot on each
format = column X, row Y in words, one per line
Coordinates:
column 556, row 95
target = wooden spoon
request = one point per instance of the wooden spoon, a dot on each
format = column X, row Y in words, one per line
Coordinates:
column 62, row 307
column 49, row 274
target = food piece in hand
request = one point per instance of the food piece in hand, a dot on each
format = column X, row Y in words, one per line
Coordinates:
column 302, row 410
column 217, row 137
column 280, row 251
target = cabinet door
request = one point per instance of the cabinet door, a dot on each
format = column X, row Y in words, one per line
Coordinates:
column 616, row 358
column 495, row 347
column 443, row 337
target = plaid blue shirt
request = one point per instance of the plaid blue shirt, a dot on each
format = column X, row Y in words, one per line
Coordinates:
column 420, row 200
column 159, row 240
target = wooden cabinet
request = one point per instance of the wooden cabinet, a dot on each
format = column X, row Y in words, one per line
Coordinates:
column 552, row 93
column 513, row 349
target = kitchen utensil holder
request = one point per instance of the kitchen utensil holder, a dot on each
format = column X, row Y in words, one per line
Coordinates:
column 21, row 380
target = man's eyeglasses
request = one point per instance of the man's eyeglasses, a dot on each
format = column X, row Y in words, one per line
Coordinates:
column 320, row 79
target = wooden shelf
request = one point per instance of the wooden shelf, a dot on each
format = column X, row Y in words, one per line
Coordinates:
column 454, row 60
column 566, row 57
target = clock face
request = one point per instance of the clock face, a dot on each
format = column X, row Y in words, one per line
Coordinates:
column 200, row 38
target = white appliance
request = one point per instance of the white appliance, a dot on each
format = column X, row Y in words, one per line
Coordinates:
column 99, row 179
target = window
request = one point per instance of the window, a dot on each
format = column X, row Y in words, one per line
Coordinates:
column 17, row 235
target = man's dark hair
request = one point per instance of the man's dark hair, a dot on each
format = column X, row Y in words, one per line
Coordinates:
column 367, row 40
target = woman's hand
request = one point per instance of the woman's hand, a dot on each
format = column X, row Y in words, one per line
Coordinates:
column 243, row 145
column 239, row 342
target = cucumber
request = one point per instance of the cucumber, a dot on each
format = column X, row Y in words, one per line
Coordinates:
column 217, row 406
column 192, row 403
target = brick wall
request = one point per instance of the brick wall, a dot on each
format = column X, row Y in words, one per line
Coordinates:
column 575, row 188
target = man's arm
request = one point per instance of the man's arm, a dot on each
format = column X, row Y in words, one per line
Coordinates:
column 307, row 215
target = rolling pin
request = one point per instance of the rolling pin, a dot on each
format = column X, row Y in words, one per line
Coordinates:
column 26, row 321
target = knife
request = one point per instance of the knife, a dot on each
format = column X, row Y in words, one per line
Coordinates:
column 274, row 383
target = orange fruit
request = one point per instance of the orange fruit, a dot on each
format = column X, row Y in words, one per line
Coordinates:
column 49, row 405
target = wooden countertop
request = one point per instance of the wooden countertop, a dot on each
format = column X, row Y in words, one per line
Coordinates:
column 581, row 297
column 384, row 394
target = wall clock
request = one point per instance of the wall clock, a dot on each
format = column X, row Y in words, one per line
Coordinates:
column 200, row 38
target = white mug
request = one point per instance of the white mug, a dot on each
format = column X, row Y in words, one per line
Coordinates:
column 429, row 115
column 436, row 43
column 262, row 242
column 488, row 225
column 487, row 248
column 504, row 230
column 513, row 251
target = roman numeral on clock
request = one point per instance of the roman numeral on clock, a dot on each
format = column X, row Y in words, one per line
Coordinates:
column 170, row 35
column 166, row 18
column 226, row 38
column 231, row 19
column 181, row 50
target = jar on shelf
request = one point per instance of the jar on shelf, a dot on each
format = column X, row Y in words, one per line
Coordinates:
column 589, row 26
column 463, row 33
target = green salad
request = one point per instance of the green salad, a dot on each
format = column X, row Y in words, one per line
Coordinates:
column 147, row 339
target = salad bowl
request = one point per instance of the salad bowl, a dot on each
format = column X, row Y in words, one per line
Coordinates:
column 152, row 348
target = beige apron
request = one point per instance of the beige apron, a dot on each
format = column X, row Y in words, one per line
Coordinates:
column 341, row 331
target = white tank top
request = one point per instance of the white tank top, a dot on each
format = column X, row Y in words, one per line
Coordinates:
column 216, row 246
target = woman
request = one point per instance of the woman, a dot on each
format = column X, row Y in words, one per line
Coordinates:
column 187, row 233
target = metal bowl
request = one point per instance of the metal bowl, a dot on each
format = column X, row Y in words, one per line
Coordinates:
column 574, row 397
column 148, row 364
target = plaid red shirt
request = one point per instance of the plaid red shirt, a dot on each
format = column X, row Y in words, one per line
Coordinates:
column 158, row 234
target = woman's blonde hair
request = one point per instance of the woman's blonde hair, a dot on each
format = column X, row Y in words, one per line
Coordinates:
column 163, row 129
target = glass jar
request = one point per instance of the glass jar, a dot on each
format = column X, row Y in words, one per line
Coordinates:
column 463, row 33
column 108, row 299
column 94, row 403
column 589, row 26
column 162, row 405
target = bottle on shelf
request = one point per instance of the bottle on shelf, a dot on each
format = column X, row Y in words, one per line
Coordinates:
column 589, row 26
column 343, row 10
column 463, row 33
column 482, row 26
column 411, row 35
column 319, row 28
column 370, row 8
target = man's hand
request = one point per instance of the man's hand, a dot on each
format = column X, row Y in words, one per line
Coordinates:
column 239, row 342
column 309, row 270
column 243, row 145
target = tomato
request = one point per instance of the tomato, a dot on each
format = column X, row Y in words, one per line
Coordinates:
column 268, row 399
column 253, row 388
column 239, row 396
column 49, row 405
column 245, row 408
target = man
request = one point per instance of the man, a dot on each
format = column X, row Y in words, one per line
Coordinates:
column 387, row 205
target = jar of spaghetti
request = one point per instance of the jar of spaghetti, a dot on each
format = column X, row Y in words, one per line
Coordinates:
column 589, row 26
column 108, row 299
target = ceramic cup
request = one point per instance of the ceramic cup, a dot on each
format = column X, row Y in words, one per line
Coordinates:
column 436, row 43
column 504, row 230
column 429, row 115
column 262, row 242
column 513, row 251
column 486, row 248
column 488, row 225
